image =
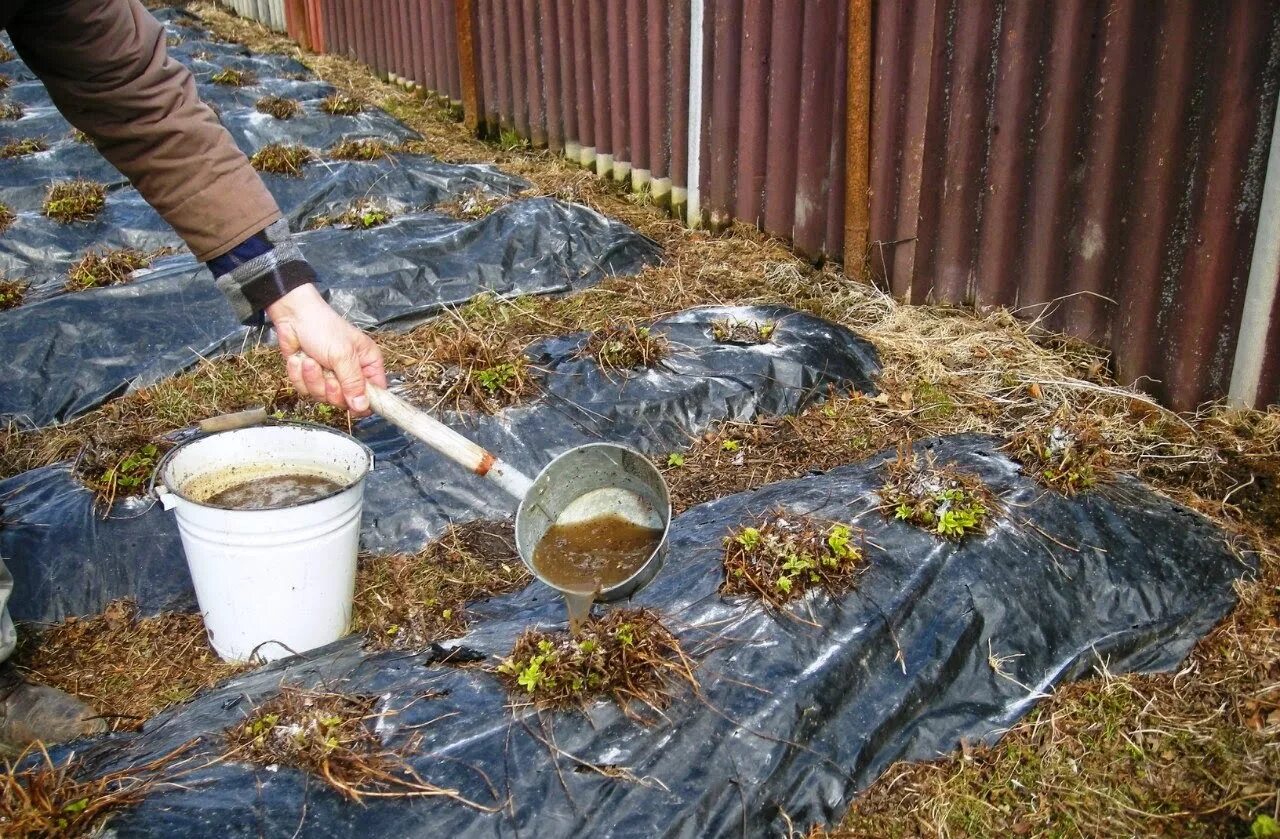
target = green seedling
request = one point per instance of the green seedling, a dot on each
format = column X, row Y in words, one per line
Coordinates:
column 732, row 331
column 230, row 77
column 782, row 556
column 71, row 201
column 133, row 470
column 1070, row 457
column 22, row 148
column 626, row 346
column 342, row 104
column 675, row 460
column 731, row 445
column 369, row 148
column 496, row 378
column 940, row 499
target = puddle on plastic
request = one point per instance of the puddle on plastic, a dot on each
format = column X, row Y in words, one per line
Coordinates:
column 586, row 557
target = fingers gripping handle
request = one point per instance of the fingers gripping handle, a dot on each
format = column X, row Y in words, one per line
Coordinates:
column 445, row 440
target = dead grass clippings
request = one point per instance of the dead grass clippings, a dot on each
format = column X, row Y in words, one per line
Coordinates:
column 278, row 107
column 126, row 666
column 7, row 217
column 231, row 77
column 409, row 601
column 11, row 110
column 12, row 293
column 78, row 200
column 472, row 205
column 781, row 556
column 627, row 656
column 48, row 800
column 941, row 499
column 99, row 269
column 22, row 148
column 626, row 347
column 463, row 369
column 1068, row 455
column 342, row 104
column 280, row 159
column 329, row 735
column 365, row 148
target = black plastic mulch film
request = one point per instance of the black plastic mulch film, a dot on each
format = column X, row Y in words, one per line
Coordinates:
column 797, row 710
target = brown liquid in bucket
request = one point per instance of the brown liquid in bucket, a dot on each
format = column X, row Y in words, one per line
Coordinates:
column 272, row 492
column 586, row 557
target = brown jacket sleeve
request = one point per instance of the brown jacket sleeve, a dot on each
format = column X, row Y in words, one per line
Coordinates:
column 105, row 65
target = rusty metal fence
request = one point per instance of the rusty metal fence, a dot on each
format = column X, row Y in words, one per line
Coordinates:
column 1100, row 164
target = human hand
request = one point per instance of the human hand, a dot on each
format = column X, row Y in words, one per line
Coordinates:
column 325, row 356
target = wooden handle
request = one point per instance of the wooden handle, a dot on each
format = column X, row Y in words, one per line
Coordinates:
column 445, row 440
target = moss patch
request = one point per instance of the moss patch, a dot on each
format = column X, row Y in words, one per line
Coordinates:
column 367, row 148
column 941, row 499
column 22, row 148
column 127, row 667
column 342, row 104
column 408, row 601
column 626, row 346
column 230, row 77
column 11, row 294
column 781, row 556
column 78, row 200
column 627, row 656
column 742, row 332
column 280, row 159
column 107, row 268
column 278, row 107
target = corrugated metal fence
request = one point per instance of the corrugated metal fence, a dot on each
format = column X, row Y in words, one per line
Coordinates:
column 268, row 12
column 1097, row 162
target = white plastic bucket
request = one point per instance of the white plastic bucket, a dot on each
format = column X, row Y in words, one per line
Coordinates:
column 270, row 583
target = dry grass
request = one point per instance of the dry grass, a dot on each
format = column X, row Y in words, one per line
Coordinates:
column 472, row 205
column 364, row 214
column 7, row 217
column 22, row 148
column 106, row 268
column 342, row 104
column 127, row 667
column 230, row 77
column 367, row 148
column 78, row 200
column 48, row 800
column 409, row 601
column 627, row 656
column 6, row 54
column 278, row 107
column 280, row 159
column 11, row 110
column 1067, row 455
column 12, row 293
column 626, row 346
column 781, row 556
column 744, row 333
column 329, row 735
column 941, row 499
column 80, row 137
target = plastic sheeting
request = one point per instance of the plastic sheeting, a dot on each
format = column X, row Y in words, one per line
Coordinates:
column 797, row 711
column 68, row 561
column 67, row 354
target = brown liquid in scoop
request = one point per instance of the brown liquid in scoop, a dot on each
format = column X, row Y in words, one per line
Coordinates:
column 271, row 492
column 583, row 558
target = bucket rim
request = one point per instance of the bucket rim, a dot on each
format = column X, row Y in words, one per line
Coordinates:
column 160, row 487
column 658, row 555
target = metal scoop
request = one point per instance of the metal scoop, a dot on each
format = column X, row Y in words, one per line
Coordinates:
column 587, row 482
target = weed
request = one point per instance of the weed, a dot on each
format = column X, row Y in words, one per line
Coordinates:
column 11, row 110
column 626, row 346
column 408, row 601
column 22, row 148
column 280, row 159
column 942, row 499
column 510, row 140
column 627, row 656
column 366, row 148
column 127, row 666
column 278, row 107
column 675, row 460
column 78, row 200
column 48, row 799
column 781, row 556
column 7, row 217
column 328, row 735
column 342, row 104
column 1065, row 454
column 231, row 77
column 11, row 294
column 108, row 268
column 746, row 333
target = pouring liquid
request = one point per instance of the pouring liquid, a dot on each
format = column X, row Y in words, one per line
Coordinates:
column 586, row 557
